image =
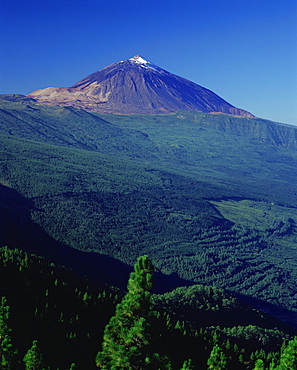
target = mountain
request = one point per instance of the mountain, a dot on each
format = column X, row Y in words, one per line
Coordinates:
column 136, row 86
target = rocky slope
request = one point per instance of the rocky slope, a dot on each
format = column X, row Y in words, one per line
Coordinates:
column 136, row 86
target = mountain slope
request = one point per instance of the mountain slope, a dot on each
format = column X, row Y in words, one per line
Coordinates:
column 136, row 86
column 71, row 127
column 67, row 126
column 211, row 198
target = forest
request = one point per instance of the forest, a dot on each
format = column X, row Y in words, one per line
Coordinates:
column 52, row 318
column 210, row 199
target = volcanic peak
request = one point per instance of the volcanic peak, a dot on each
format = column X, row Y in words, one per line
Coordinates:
column 136, row 86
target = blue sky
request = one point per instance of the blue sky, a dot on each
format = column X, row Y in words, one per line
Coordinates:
column 243, row 50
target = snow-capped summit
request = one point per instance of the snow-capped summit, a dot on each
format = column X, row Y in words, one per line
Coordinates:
column 134, row 86
column 138, row 59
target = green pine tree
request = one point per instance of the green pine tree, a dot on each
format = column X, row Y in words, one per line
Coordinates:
column 7, row 351
column 259, row 365
column 288, row 359
column 187, row 365
column 127, row 341
column 217, row 360
column 33, row 358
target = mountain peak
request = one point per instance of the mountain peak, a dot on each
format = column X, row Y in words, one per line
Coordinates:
column 139, row 59
column 136, row 86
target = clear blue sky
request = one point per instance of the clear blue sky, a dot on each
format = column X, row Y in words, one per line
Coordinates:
column 243, row 50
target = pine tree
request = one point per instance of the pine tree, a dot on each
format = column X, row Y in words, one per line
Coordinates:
column 127, row 342
column 187, row 365
column 217, row 360
column 288, row 359
column 7, row 352
column 33, row 358
column 259, row 365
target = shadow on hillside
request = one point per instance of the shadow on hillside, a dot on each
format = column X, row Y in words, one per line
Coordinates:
column 18, row 231
column 287, row 318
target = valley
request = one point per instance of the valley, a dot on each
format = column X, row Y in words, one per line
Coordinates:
column 211, row 198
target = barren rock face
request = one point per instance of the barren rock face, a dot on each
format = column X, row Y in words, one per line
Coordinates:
column 136, row 86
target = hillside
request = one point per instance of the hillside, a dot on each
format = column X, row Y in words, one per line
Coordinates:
column 211, row 198
column 67, row 314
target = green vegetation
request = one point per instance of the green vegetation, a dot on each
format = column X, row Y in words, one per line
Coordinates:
column 128, row 341
column 64, row 312
column 56, row 319
column 33, row 358
column 7, row 351
column 211, row 199
column 217, row 360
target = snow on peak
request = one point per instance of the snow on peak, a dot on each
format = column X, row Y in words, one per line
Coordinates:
column 138, row 59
